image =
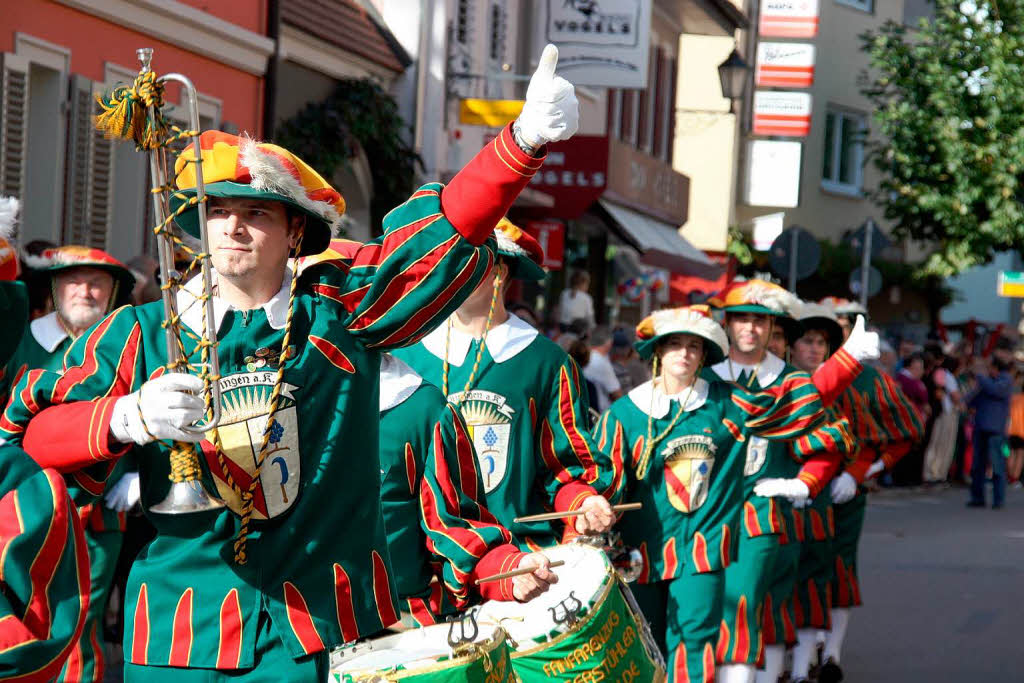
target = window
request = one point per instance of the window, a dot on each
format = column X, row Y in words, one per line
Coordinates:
column 842, row 170
column 864, row 5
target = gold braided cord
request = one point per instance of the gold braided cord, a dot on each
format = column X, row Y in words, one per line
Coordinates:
column 125, row 112
column 445, row 368
column 241, row 539
column 644, row 463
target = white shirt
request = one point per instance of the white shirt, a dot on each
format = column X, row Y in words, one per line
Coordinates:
column 599, row 370
column 573, row 305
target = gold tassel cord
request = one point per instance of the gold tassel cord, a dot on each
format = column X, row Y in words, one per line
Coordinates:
column 643, row 465
column 125, row 112
column 479, row 352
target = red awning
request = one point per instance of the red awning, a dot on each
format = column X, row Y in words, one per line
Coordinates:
column 687, row 289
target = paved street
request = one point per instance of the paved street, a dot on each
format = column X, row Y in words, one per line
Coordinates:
column 943, row 588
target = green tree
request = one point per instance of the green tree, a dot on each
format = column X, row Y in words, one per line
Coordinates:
column 358, row 113
column 948, row 97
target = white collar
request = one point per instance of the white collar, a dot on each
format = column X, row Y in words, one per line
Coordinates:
column 767, row 372
column 397, row 382
column 641, row 398
column 191, row 310
column 48, row 331
column 504, row 341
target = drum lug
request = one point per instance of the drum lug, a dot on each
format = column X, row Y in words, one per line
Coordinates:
column 571, row 608
column 468, row 629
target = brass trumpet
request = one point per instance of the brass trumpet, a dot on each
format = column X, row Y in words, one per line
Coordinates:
column 187, row 493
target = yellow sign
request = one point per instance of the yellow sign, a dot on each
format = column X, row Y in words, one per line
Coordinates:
column 1010, row 284
column 493, row 113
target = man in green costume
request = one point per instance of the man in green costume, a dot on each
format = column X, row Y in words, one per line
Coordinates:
column 752, row 309
column 86, row 284
column 44, row 564
column 520, row 395
column 432, row 497
column 297, row 562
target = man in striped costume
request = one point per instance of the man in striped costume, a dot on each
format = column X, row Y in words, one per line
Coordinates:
column 86, row 284
column 520, row 395
column 297, row 561
column 44, row 564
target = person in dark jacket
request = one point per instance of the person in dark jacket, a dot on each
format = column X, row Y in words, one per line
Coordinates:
column 991, row 403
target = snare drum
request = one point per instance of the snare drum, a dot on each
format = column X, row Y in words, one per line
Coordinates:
column 428, row 655
column 586, row 627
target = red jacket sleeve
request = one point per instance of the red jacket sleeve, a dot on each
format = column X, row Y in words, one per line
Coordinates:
column 835, row 375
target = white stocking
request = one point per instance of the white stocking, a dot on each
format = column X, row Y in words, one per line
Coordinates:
column 834, row 641
column 774, row 656
column 802, row 653
column 735, row 673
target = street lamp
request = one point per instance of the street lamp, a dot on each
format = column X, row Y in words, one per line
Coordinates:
column 733, row 75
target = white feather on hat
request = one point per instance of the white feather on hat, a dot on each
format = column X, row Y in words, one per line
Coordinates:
column 685, row 321
column 269, row 175
column 772, row 297
column 8, row 216
column 809, row 309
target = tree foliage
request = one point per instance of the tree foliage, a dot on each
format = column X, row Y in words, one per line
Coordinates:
column 328, row 134
column 949, row 112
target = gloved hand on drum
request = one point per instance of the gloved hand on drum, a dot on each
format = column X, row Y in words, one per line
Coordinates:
column 597, row 516
column 528, row 586
column 876, row 467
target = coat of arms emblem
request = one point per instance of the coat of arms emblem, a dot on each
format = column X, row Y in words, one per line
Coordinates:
column 689, row 461
column 489, row 419
column 245, row 405
column 757, row 453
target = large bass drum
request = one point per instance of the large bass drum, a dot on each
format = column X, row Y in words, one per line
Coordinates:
column 586, row 627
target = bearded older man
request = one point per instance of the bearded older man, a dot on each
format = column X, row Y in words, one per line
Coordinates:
column 85, row 285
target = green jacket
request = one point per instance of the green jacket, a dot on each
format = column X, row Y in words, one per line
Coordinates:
column 432, row 493
column 764, row 460
column 44, row 570
column 317, row 552
column 43, row 348
column 692, row 491
column 527, row 418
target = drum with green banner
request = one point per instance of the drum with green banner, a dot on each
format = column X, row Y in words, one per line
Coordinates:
column 461, row 652
column 587, row 627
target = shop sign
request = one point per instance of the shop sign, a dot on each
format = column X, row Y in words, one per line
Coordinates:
column 786, row 114
column 789, row 19
column 575, row 174
column 551, row 235
column 784, row 65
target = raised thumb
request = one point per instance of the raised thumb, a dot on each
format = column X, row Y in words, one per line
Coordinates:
column 548, row 62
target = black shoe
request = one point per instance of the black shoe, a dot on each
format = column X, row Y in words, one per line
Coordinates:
column 830, row 672
column 975, row 504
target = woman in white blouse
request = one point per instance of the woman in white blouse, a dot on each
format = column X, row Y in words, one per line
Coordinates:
column 575, row 302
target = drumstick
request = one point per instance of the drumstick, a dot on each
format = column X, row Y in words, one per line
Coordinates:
column 516, row 572
column 549, row 516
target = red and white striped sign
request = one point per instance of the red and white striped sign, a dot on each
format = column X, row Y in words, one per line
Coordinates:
column 785, row 65
column 782, row 113
column 789, row 19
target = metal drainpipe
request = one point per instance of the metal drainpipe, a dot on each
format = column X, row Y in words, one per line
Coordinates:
column 270, row 78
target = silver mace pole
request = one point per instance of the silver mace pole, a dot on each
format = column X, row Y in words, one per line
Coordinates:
column 865, row 263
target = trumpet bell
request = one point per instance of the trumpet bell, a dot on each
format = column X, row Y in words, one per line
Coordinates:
column 186, row 497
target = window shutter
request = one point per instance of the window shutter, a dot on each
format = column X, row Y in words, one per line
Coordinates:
column 13, row 124
column 88, row 188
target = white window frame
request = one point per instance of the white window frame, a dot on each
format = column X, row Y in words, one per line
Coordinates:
column 862, row 5
column 833, row 184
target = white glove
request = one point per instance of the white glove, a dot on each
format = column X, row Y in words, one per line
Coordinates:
column 551, row 111
column 163, row 405
column 123, row 495
column 794, row 489
column 801, row 503
column 844, row 488
column 861, row 344
column 876, row 467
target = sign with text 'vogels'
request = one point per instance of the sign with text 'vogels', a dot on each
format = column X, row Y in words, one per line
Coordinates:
column 600, row 43
column 789, row 19
column 784, row 65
